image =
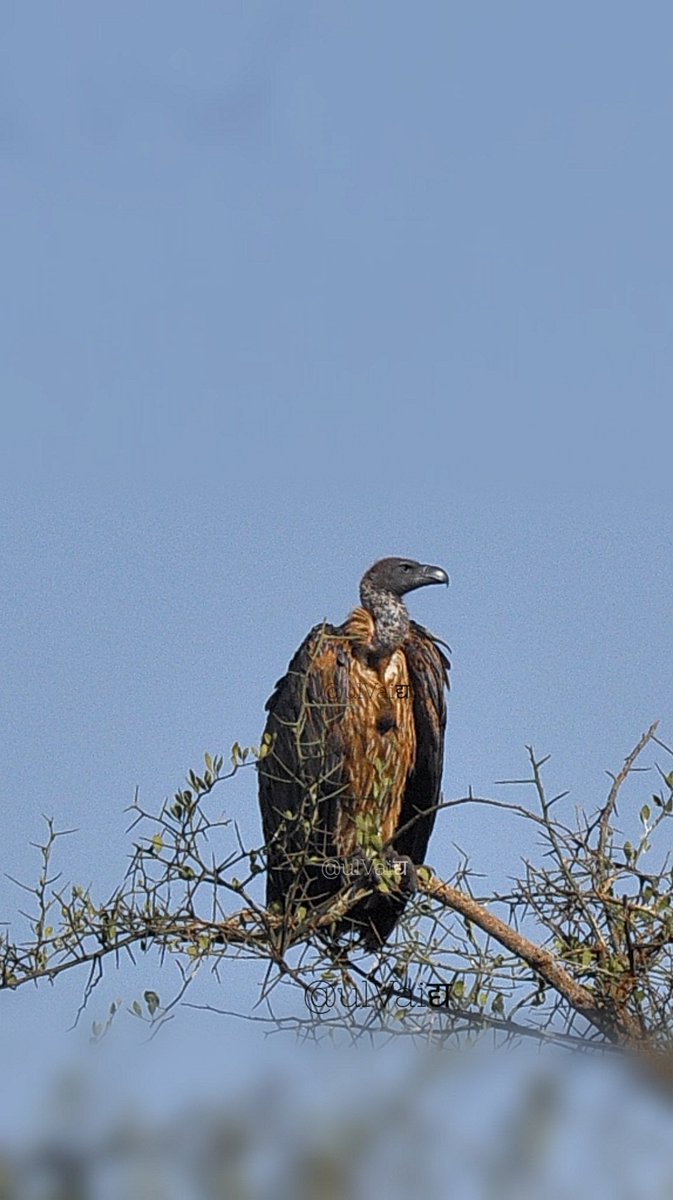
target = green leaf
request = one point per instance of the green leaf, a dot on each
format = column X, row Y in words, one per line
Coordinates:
column 157, row 843
column 137, row 1008
column 645, row 813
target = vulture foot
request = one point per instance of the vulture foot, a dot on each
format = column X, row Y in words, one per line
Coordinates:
column 404, row 876
column 396, row 872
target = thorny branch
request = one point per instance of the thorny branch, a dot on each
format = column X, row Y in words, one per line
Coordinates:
column 579, row 952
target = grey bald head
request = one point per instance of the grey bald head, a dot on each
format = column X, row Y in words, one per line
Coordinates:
column 397, row 576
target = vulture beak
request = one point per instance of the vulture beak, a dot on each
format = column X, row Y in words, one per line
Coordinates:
column 433, row 575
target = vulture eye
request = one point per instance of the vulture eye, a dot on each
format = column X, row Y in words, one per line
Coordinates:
column 406, row 567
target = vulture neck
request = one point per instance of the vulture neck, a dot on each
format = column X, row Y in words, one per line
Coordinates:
column 391, row 619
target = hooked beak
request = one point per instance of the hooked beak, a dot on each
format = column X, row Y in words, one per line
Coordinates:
column 434, row 575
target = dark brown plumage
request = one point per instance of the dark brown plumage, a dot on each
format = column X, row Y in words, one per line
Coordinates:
column 350, row 786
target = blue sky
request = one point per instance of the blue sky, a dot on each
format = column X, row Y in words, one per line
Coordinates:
column 291, row 287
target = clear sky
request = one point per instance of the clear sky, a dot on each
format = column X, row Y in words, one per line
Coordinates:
column 289, row 288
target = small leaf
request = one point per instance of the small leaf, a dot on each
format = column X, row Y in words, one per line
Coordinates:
column 645, row 813
column 157, row 843
column 137, row 1008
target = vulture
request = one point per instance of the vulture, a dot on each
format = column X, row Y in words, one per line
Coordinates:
column 351, row 761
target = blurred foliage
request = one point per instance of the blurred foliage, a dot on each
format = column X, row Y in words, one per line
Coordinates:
column 439, row 1125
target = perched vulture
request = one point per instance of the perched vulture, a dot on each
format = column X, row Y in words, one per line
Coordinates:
column 354, row 744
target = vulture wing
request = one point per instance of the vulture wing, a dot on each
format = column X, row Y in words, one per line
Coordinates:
column 302, row 777
column 428, row 669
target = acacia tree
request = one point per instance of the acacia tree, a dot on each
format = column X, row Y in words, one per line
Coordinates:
column 577, row 952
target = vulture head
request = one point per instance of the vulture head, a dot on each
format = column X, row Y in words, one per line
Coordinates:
column 397, row 576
